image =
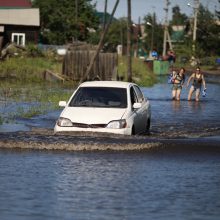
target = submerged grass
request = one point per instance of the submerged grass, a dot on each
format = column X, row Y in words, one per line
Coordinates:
column 18, row 101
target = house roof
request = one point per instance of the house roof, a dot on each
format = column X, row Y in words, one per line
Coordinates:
column 100, row 16
column 15, row 4
column 28, row 16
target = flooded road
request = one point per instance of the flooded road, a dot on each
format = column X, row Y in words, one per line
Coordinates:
column 170, row 119
column 158, row 184
column 173, row 173
column 184, row 118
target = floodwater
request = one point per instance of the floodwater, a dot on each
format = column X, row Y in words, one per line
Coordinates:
column 162, row 184
column 184, row 117
column 177, row 182
column 169, row 118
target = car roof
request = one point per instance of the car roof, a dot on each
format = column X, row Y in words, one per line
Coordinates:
column 118, row 84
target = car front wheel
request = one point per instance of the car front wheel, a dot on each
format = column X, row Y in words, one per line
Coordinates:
column 133, row 130
column 148, row 126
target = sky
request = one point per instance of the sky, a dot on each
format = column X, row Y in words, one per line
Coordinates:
column 140, row 8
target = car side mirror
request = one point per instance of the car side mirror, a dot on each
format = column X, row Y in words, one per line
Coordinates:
column 136, row 105
column 62, row 103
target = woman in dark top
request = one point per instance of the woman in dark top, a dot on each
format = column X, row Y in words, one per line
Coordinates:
column 198, row 81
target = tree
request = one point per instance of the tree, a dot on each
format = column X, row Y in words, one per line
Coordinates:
column 182, row 23
column 63, row 21
column 207, row 37
column 218, row 12
column 154, row 33
column 178, row 18
column 208, row 30
column 116, row 34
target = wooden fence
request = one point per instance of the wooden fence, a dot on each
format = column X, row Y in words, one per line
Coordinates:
column 76, row 62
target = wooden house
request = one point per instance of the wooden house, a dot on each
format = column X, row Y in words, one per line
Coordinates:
column 19, row 22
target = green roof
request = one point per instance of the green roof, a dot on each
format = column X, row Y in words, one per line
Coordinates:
column 100, row 15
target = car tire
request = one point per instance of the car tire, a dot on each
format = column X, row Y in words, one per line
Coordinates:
column 148, row 126
column 133, row 130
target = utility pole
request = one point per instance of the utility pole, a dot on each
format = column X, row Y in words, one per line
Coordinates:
column 100, row 45
column 76, row 11
column 76, row 18
column 122, row 35
column 105, row 12
column 138, row 36
column 196, row 8
column 129, row 42
column 152, row 32
column 166, row 37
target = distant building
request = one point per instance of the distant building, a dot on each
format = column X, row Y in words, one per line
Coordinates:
column 19, row 22
column 8, row 4
column 101, row 16
column 178, row 33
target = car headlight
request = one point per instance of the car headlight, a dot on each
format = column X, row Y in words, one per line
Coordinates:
column 64, row 122
column 117, row 124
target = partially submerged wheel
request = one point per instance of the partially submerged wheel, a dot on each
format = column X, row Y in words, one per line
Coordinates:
column 148, row 126
column 133, row 130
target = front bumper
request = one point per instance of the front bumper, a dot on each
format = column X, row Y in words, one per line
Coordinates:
column 123, row 131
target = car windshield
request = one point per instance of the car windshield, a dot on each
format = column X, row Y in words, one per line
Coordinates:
column 103, row 97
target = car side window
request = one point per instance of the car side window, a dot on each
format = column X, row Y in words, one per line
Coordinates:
column 140, row 96
column 133, row 96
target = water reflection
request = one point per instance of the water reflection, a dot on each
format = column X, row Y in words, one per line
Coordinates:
column 196, row 106
column 108, row 185
column 176, row 106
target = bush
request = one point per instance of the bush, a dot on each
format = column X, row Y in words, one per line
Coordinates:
column 27, row 69
column 141, row 74
column 33, row 51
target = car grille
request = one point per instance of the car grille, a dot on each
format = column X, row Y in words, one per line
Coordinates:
column 81, row 125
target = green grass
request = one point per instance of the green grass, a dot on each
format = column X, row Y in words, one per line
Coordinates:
column 141, row 74
column 27, row 69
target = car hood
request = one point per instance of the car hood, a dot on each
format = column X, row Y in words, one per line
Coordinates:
column 92, row 115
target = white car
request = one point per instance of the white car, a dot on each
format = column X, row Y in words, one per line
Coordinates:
column 106, row 106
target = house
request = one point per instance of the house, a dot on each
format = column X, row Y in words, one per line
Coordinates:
column 19, row 22
column 178, row 33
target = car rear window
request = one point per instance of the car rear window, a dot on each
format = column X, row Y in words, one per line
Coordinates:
column 103, row 97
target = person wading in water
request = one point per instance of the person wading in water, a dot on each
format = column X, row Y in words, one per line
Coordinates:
column 198, row 80
column 178, row 80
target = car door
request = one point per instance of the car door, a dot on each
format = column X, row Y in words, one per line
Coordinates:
column 142, row 112
column 137, row 113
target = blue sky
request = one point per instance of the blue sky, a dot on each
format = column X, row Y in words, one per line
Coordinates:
column 143, row 7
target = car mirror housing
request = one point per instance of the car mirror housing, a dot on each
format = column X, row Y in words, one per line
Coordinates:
column 136, row 105
column 62, row 103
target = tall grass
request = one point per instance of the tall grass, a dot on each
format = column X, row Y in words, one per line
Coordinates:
column 27, row 69
column 141, row 74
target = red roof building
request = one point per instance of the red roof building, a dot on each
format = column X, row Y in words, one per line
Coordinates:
column 15, row 4
column 19, row 22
